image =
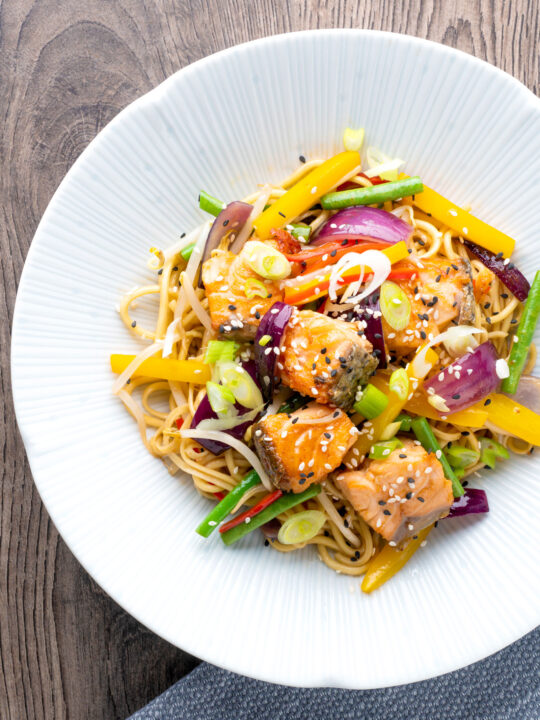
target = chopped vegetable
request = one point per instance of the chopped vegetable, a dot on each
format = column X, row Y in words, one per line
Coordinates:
column 266, row 261
column 399, row 384
column 371, row 315
column 461, row 457
column 220, row 351
column 245, row 517
column 520, row 348
column 353, row 139
column 186, row 252
column 255, row 288
column 221, row 398
column 240, row 384
column 460, row 339
column 210, row 204
column 404, row 422
column 272, row 323
column 507, row 272
column 314, row 288
column 301, row 232
column 307, row 192
column 381, row 165
column 395, row 305
column 229, row 221
column 227, row 505
column 381, row 450
column 366, row 223
column 374, row 195
column 467, row 380
column 425, row 435
column 465, row 224
column 192, row 371
column 285, row 502
column 390, row 560
column 322, row 256
column 491, row 451
column 474, row 416
column 371, row 403
column 390, row 430
column 301, row 527
column 471, row 502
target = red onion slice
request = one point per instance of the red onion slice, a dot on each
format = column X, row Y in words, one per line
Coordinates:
column 372, row 316
column 230, row 218
column 366, row 223
column 273, row 323
column 506, row 271
column 466, row 381
column 471, row 503
column 204, row 412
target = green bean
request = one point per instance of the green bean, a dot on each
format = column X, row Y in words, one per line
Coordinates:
column 525, row 332
column 229, row 502
column 285, row 502
column 424, row 433
column 372, row 195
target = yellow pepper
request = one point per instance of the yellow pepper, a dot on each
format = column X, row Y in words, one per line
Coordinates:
column 307, row 192
column 513, row 418
column 390, row 560
column 165, row 369
column 318, row 287
column 395, row 405
column 462, row 222
column 474, row 416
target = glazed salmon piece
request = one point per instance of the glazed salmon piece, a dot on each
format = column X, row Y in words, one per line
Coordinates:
column 233, row 314
column 400, row 495
column 300, row 449
column 325, row 358
column 441, row 292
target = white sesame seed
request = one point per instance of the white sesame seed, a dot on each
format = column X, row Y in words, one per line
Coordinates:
column 453, row 212
column 247, row 520
column 379, row 523
column 311, row 463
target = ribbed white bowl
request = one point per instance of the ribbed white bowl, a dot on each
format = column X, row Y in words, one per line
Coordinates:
column 225, row 124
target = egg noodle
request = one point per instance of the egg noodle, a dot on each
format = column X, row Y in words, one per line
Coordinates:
column 345, row 543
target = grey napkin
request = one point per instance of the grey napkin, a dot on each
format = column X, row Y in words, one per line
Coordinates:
column 505, row 686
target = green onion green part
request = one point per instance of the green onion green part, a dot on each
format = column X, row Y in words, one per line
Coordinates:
column 491, row 451
column 285, row 502
column 399, row 383
column 227, row 505
column 381, row 450
column 461, row 457
column 301, row 527
column 220, row 351
column 221, row 399
column 210, row 204
column 186, row 252
column 405, row 421
column 371, row 403
column 372, row 195
column 520, row 348
column 424, row 434
column 301, row 232
column 395, row 305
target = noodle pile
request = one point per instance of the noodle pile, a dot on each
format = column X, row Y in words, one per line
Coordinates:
column 182, row 330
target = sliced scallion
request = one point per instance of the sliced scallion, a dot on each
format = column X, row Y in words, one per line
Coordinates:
column 240, row 384
column 381, row 450
column 221, row 399
column 301, row 232
column 255, row 288
column 220, row 351
column 461, row 457
column 395, row 305
column 353, row 139
column 301, row 527
column 491, row 451
column 186, row 252
column 371, row 403
column 399, row 383
column 266, row 261
column 210, row 204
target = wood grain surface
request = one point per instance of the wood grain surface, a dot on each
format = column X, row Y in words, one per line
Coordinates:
column 66, row 68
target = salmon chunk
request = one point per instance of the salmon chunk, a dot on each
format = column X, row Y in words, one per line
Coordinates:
column 225, row 276
column 442, row 291
column 300, row 449
column 325, row 358
column 400, row 495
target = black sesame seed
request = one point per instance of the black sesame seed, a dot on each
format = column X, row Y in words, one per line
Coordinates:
column 310, row 474
column 302, row 481
column 128, row 381
column 302, row 158
column 294, row 420
column 346, row 523
column 134, row 323
column 423, row 335
column 504, row 296
column 323, row 350
column 409, row 251
column 513, row 321
column 336, row 414
column 333, row 373
column 378, row 336
column 420, row 499
column 488, row 320
column 333, row 253
column 487, row 305
column 328, row 360
column 408, row 495
column 438, row 278
column 410, row 480
column 342, row 510
column 357, row 554
column 420, row 242
column 436, row 523
column 456, row 396
column 487, row 402
column 282, row 214
column 258, row 315
column 314, row 366
column 465, row 433
column 510, row 266
column 499, row 255
column 232, row 307
column 266, row 543
column 327, row 435
column 382, row 502
column 454, row 266
column 222, row 328
column 386, row 512
column 160, row 271
column 225, row 223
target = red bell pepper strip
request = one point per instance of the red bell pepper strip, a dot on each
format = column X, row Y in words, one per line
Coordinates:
column 340, row 247
column 255, row 510
column 220, row 495
column 179, row 422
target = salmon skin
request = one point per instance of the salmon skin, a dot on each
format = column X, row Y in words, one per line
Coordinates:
column 297, row 452
column 325, row 358
column 401, row 494
column 226, row 278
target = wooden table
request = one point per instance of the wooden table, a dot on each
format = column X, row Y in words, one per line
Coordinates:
column 66, row 68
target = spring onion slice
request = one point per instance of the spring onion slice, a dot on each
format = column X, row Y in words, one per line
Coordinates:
column 390, row 430
column 221, row 399
column 255, row 288
column 399, row 383
column 381, row 450
column 240, row 384
column 220, row 351
column 491, row 451
column 266, row 261
column 301, row 527
column 210, row 204
column 376, row 260
column 395, row 305
column 461, row 457
column 371, row 402
column 186, row 252
column 353, row 139
column 301, row 232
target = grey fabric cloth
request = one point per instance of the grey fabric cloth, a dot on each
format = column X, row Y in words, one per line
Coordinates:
column 505, row 686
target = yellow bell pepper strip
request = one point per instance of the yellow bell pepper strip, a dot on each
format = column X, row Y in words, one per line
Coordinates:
column 462, row 222
column 513, row 418
column 179, row 370
column 474, row 416
column 390, row 560
column 307, row 192
column 317, row 287
column 372, row 433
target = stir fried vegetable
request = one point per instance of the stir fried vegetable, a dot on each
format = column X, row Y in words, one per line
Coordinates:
column 192, row 371
column 424, row 433
column 524, row 335
column 229, row 502
column 210, row 204
column 390, row 560
column 374, row 195
column 371, row 402
column 491, row 451
column 380, row 450
column 301, row 527
column 513, row 418
column 246, row 516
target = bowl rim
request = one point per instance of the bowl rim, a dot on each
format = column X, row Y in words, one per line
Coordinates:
column 151, row 97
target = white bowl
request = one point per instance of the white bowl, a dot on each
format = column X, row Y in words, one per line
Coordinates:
column 225, row 124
